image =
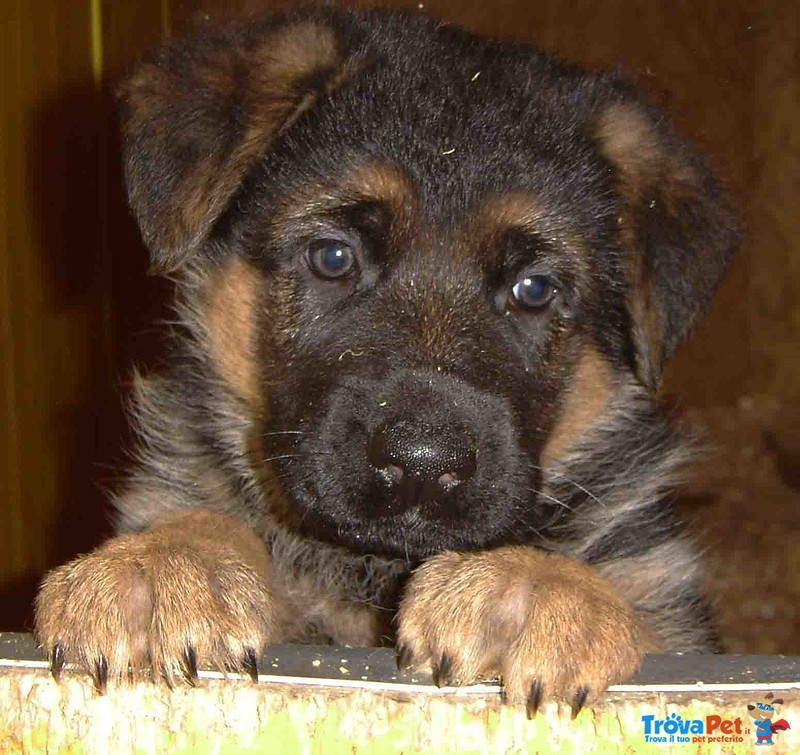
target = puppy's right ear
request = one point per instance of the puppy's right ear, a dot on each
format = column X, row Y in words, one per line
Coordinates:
column 204, row 110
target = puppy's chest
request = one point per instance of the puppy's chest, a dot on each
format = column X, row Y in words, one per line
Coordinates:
column 327, row 593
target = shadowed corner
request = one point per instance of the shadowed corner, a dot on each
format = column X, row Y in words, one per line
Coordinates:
column 16, row 602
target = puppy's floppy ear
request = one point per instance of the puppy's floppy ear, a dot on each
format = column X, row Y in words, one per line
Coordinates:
column 200, row 114
column 675, row 223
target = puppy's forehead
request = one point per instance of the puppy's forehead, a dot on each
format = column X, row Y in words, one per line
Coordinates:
column 464, row 121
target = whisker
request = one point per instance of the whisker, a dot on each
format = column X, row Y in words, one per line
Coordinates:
column 538, row 534
column 553, row 499
column 569, row 480
column 281, row 456
column 295, row 456
column 280, row 476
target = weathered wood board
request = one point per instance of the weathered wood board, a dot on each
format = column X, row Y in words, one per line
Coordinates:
column 331, row 700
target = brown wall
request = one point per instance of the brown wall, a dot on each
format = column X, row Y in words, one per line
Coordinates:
column 75, row 303
column 71, row 279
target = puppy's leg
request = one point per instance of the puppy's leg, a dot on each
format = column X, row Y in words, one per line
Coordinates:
column 547, row 625
column 194, row 588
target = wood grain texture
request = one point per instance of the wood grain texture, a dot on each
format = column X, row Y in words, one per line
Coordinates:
column 311, row 700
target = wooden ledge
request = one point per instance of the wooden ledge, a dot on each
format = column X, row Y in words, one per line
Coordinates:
column 328, row 700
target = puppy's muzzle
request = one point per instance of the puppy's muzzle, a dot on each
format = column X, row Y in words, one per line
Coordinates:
column 419, row 460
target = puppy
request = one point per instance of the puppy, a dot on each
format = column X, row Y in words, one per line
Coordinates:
column 427, row 283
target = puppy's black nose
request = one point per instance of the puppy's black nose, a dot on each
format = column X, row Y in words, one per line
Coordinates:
column 422, row 460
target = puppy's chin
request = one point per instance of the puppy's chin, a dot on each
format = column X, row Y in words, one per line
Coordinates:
column 409, row 535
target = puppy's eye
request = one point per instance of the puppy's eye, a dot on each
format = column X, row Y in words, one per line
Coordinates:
column 533, row 292
column 331, row 259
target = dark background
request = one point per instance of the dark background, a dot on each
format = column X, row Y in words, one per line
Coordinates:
column 77, row 309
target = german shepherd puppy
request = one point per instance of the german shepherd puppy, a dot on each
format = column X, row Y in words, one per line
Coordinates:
column 427, row 283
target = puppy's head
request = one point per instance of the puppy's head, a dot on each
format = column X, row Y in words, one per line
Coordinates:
column 430, row 260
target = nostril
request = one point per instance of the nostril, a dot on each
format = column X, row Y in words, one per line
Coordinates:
column 461, row 464
column 448, row 480
column 416, row 456
column 381, row 455
column 392, row 473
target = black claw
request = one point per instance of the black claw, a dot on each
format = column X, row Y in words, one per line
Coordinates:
column 534, row 698
column 57, row 659
column 250, row 664
column 100, row 674
column 443, row 670
column 167, row 674
column 404, row 659
column 190, row 665
column 580, row 699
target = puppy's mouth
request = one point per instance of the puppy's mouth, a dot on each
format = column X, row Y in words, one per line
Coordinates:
column 411, row 466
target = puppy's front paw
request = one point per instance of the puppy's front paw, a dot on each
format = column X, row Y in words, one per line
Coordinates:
column 546, row 625
column 169, row 598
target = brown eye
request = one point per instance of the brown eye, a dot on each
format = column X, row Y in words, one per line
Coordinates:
column 331, row 259
column 534, row 291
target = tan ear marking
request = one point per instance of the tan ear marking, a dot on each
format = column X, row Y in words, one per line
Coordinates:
column 647, row 168
column 628, row 142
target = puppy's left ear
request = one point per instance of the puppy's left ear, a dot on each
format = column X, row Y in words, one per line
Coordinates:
column 675, row 224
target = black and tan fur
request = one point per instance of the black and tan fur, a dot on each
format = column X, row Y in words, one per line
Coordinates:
column 269, row 500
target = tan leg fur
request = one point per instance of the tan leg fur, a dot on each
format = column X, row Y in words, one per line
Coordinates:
column 192, row 589
column 546, row 625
